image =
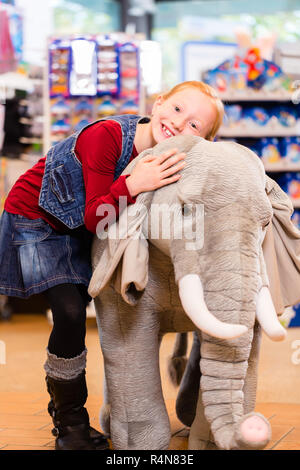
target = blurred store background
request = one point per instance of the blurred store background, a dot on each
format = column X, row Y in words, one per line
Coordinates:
column 66, row 63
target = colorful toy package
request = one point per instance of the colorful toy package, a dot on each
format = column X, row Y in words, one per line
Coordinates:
column 91, row 77
column 291, row 149
column 129, row 71
column 220, row 77
column 59, row 63
column 233, row 115
column 294, row 186
column 286, row 115
column 82, row 113
column 238, row 75
column 83, row 69
column 60, row 126
column 262, row 73
column 107, row 67
column 129, row 107
column 60, row 116
column 290, row 183
column 106, row 107
column 270, row 150
column 256, row 116
column 246, row 70
column 60, row 106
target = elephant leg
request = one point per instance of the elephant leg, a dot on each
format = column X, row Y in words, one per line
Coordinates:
column 105, row 411
column 130, row 344
column 189, row 407
column 104, row 416
column 187, row 397
column 177, row 362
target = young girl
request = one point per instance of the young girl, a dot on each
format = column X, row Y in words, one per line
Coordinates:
column 50, row 216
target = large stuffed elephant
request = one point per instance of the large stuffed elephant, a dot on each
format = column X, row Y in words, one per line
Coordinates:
column 201, row 268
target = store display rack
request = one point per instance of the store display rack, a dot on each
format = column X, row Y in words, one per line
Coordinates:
column 246, row 133
column 32, row 117
column 256, row 95
column 269, row 130
column 243, row 132
column 107, row 85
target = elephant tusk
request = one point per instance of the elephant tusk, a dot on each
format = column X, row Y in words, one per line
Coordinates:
column 267, row 316
column 192, row 300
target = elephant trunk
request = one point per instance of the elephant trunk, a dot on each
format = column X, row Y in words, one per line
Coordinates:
column 231, row 283
column 224, row 367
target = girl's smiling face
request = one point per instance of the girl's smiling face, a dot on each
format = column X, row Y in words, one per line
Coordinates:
column 186, row 112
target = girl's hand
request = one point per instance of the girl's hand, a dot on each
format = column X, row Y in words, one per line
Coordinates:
column 153, row 172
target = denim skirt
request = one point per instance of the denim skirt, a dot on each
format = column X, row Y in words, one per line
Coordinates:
column 35, row 257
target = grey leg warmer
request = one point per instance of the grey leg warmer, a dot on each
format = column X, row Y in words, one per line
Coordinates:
column 65, row 369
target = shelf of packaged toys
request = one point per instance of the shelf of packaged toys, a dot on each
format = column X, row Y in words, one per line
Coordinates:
column 108, row 84
column 260, row 119
column 262, row 111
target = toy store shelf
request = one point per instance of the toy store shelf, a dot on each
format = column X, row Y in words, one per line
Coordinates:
column 263, row 131
column 282, row 167
column 252, row 95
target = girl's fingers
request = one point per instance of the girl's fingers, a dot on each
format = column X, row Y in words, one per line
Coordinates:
column 148, row 158
column 166, row 155
column 172, row 170
column 172, row 161
column 169, row 180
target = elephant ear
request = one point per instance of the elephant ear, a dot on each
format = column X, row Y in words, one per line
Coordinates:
column 121, row 257
column 281, row 250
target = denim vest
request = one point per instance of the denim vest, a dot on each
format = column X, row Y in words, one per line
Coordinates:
column 63, row 192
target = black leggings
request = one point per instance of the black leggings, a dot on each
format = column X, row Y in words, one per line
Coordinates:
column 68, row 305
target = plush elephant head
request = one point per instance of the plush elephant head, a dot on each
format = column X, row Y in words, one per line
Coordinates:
column 206, row 253
column 212, row 227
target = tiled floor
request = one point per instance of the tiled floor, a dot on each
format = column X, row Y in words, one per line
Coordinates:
column 26, row 425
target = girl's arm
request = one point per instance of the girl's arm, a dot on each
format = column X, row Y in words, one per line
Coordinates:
column 98, row 148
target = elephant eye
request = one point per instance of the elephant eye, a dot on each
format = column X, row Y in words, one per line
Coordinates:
column 185, row 210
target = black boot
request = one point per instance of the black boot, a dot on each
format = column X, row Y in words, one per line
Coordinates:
column 70, row 418
column 98, row 439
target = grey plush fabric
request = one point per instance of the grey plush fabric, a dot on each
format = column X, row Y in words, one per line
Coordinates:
column 136, row 296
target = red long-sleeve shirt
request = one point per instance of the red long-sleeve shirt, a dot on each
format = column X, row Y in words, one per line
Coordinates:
column 98, row 148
